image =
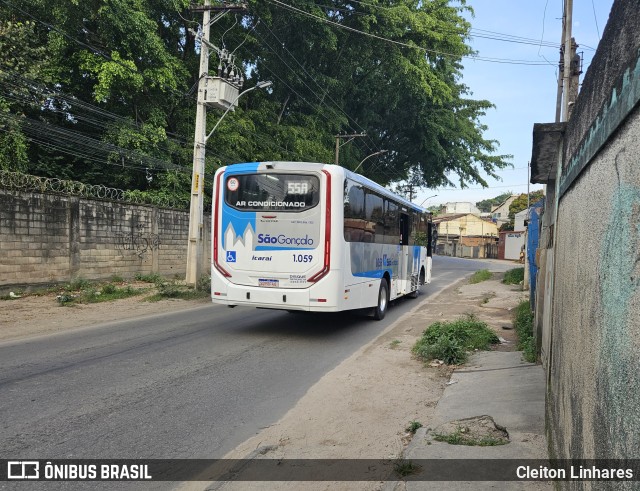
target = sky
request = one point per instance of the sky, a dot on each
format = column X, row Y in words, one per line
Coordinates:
column 523, row 94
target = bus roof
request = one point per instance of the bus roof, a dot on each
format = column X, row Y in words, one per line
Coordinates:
column 255, row 166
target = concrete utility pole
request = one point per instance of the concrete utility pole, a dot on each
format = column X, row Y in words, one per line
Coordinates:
column 338, row 145
column 196, row 211
column 195, row 246
column 566, row 72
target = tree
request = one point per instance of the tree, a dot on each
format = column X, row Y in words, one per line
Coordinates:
column 519, row 204
column 113, row 99
column 486, row 204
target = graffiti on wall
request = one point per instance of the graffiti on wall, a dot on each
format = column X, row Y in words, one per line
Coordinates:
column 138, row 240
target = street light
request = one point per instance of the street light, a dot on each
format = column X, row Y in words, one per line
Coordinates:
column 434, row 196
column 369, row 156
column 259, row 85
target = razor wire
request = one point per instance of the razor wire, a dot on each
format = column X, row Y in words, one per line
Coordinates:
column 27, row 182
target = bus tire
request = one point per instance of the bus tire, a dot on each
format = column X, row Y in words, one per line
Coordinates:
column 383, row 301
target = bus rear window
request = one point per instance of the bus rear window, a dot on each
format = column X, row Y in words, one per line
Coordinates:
column 272, row 192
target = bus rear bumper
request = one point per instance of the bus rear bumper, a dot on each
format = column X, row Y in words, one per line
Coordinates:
column 272, row 298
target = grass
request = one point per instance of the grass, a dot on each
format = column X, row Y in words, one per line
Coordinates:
column 404, row 467
column 149, row 278
column 172, row 289
column 450, row 341
column 394, row 344
column 459, row 437
column 514, row 276
column 98, row 293
column 523, row 324
column 480, row 276
column 413, row 426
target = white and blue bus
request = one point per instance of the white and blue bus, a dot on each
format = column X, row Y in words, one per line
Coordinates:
column 314, row 237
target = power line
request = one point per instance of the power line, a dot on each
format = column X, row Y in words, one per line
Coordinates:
column 407, row 45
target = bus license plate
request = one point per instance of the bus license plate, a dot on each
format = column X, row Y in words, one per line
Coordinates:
column 269, row 283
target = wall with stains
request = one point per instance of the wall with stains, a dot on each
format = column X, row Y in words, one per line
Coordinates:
column 593, row 406
column 47, row 238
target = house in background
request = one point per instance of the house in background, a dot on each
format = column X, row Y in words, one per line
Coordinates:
column 500, row 213
column 466, row 235
column 459, row 207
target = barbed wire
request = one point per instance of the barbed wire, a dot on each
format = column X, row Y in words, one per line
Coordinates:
column 27, row 182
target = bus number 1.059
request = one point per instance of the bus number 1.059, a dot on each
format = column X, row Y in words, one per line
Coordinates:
column 302, row 258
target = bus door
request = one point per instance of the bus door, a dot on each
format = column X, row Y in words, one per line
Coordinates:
column 405, row 261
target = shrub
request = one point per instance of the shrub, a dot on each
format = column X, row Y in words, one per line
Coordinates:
column 149, row 278
column 523, row 324
column 450, row 341
column 514, row 276
column 78, row 284
column 480, row 275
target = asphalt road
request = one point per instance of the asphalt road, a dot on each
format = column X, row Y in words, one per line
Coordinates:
column 182, row 385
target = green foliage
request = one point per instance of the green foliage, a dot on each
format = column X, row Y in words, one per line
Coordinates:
column 404, row 467
column 78, row 284
column 520, row 203
column 84, row 291
column 523, row 324
column 137, row 64
column 450, row 341
column 486, row 204
column 149, row 278
column 413, row 426
column 173, row 289
column 480, row 275
column 514, row 276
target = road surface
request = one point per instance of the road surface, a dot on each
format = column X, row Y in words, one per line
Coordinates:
column 191, row 384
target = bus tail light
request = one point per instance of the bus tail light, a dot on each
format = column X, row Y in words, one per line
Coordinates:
column 327, row 235
column 223, row 271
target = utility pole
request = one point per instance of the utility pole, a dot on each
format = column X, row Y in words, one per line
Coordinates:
column 338, row 145
column 195, row 246
column 566, row 72
column 196, row 211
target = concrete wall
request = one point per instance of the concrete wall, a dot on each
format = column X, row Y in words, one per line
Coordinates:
column 47, row 238
column 594, row 347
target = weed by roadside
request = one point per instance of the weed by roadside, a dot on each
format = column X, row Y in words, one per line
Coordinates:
column 450, row 341
column 413, row 426
column 513, row 276
column 480, row 275
column 148, row 278
column 174, row 289
column 394, row 344
column 404, row 467
column 96, row 293
column 523, row 324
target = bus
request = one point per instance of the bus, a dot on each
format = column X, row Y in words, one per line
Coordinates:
column 315, row 237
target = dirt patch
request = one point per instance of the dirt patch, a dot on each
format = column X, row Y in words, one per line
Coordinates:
column 480, row 430
column 35, row 315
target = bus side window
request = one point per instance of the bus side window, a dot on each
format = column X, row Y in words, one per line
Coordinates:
column 391, row 225
column 375, row 217
column 353, row 212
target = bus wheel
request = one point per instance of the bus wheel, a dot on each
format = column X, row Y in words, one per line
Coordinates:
column 383, row 301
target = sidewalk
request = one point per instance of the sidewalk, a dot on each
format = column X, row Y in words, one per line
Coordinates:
column 499, row 384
